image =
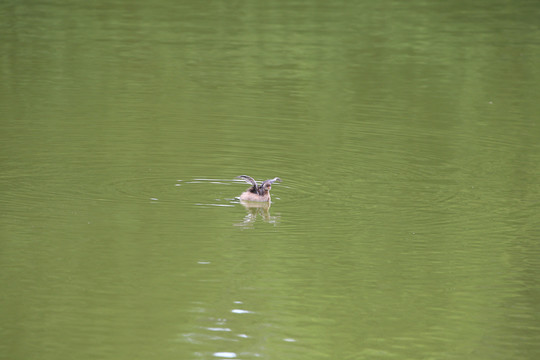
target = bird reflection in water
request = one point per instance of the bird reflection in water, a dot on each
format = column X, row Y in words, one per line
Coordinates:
column 256, row 210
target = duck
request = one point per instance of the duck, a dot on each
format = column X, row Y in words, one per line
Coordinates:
column 257, row 193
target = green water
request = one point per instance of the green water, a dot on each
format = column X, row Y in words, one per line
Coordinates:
column 407, row 135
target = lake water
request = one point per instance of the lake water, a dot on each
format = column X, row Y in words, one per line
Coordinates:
column 407, row 136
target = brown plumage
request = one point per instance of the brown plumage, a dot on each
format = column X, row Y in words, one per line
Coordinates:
column 260, row 193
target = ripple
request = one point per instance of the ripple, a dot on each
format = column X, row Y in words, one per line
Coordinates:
column 225, row 355
column 240, row 311
column 219, row 202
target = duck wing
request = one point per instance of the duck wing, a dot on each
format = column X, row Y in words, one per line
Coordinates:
column 248, row 179
column 270, row 181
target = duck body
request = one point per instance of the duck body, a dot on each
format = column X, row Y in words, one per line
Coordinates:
column 254, row 196
column 257, row 193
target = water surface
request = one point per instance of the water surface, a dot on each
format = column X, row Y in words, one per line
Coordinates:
column 406, row 135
